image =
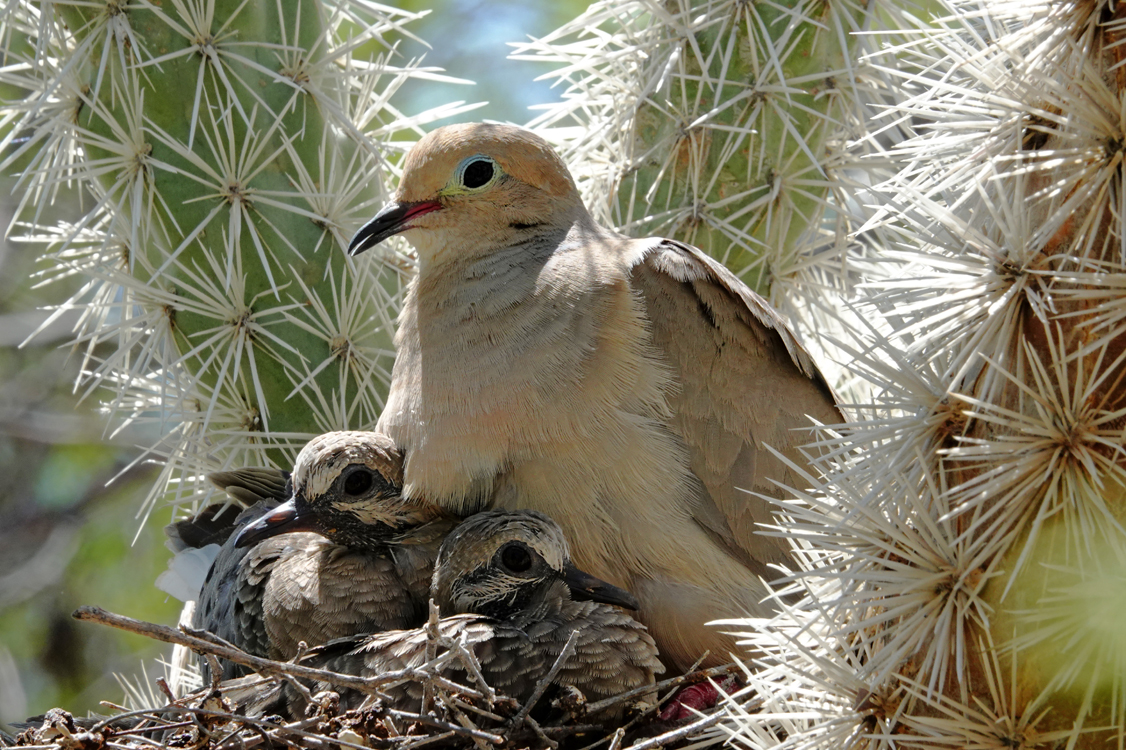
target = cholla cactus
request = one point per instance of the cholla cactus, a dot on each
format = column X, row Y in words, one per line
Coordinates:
column 225, row 151
column 717, row 122
column 963, row 553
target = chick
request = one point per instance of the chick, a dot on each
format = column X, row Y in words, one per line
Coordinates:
column 342, row 554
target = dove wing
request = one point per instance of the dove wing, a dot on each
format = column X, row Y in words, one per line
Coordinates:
column 612, row 653
column 744, row 382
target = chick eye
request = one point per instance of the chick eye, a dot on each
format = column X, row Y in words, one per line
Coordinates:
column 516, row 558
column 478, row 173
column 358, row 482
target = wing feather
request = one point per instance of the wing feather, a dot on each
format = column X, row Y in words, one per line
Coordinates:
column 744, row 382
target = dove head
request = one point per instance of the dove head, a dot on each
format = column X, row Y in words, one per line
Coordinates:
column 501, row 563
column 473, row 188
column 346, row 487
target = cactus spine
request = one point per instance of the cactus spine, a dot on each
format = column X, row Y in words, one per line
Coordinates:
column 226, row 150
column 710, row 122
column 960, row 552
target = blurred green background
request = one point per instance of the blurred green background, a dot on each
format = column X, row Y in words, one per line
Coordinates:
column 68, row 534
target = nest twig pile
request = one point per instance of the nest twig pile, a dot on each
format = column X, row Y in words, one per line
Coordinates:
column 234, row 715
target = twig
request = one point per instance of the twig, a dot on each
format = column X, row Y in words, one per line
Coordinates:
column 267, row 732
column 683, row 732
column 535, row 725
column 216, row 671
column 470, row 707
column 294, row 728
column 163, row 685
column 367, row 685
column 691, row 677
column 465, row 722
column 469, row 660
column 146, row 712
column 544, row 681
column 305, row 693
column 150, row 730
column 430, row 721
column 145, row 740
column 431, row 653
column 445, row 682
column 428, row 740
column 563, row 731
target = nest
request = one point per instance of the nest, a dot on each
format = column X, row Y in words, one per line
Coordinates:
column 236, row 714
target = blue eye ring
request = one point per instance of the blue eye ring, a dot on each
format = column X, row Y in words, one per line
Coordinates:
column 471, row 175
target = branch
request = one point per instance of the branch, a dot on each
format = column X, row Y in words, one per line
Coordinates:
column 367, row 685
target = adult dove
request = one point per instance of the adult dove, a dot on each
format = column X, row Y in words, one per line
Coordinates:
column 628, row 388
column 341, row 554
column 504, row 583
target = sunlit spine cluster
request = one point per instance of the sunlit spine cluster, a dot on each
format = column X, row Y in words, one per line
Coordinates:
column 962, row 557
column 223, row 152
column 718, row 122
column 959, row 558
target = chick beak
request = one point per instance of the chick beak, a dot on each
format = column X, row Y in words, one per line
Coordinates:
column 394, row 218
column 281, row 520
column 586, row 587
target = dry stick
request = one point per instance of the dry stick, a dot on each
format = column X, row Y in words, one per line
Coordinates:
column 268, row 734
column 469, row 661
column 431, row 653
column 428, row 740
column 563, row 730
column 264, row 728
column 686, row 731
column 544, row 681
column 146, row 712
column 465, row 722
column 539, row 732
column 678, row 734
column 693, row 677
column 462, row 705
column 420, row 674
column 282, row 728
column 428, row 720
column 445, row 682
column 154, row 728
column 690, row 676
column 216, row 671
column 238, row 656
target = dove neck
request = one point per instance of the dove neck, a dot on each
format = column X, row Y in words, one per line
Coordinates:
column 442, row 253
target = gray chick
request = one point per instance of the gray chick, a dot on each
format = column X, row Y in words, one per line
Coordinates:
column 506, row 584
column 341, row 554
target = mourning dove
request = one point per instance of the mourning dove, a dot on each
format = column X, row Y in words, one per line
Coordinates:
column 506, row 584
column 359, row 558
column 626, row 387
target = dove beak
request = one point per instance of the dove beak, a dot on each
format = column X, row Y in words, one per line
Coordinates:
column 586, row 587
column 394, row 218
column 281, row 520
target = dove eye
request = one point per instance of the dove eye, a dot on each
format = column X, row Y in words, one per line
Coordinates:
column 515, row 557
column 478, row 172
column 358, row 482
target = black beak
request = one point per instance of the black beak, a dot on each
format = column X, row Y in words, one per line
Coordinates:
column 281, row 520
column 586, row 587
column 390, row 221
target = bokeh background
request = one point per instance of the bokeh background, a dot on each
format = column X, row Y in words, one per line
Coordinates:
column 71, row 484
